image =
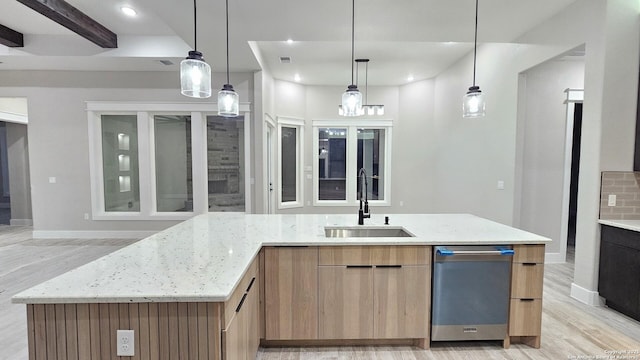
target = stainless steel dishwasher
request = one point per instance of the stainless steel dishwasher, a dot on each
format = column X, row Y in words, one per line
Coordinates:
column 470, row 293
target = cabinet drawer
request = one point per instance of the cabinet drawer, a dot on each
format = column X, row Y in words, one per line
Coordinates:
column 526, row 280
column 233, row 302
column 374, row 255
column 525, row 317
column 528, row 253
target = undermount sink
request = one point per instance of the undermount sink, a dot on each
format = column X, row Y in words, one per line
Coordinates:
column 347, row 232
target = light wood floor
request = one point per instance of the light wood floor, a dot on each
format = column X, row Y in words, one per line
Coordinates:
column 569, row 328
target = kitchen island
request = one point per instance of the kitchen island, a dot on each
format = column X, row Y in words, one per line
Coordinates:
column 214, row 286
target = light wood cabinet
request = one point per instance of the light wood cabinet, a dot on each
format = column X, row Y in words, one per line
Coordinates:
column 291, row 293
column 346, row 302
column 401, row 301
column 525, row 313
column 241, row 334
column 374, row 292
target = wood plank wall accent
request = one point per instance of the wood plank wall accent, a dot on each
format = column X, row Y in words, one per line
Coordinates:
column 164, row 331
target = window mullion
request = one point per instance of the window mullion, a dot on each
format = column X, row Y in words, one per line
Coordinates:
column 145, row 164
column 199, row 166
column 352, row 162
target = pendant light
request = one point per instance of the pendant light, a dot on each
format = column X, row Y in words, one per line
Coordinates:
column 352, row 98
column 228, row 100
column 195, row 73
column 473, row 105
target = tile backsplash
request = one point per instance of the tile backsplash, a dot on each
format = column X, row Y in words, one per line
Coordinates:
column 625, row 185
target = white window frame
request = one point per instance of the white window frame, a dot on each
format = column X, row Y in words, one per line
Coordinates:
column 352, row 127
column 298, row 124
column 146, row 156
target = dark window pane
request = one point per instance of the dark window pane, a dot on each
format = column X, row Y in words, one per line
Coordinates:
column 332, row 163
column 289, row 169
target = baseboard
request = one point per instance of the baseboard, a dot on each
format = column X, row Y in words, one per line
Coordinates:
column 88, row 234
column 554, row 258
column 585, row 296
column 21, row 222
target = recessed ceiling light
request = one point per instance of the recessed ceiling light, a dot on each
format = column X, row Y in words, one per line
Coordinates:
column 128, row 11
column 297, row 78
column 410, row 78
column 289, row 41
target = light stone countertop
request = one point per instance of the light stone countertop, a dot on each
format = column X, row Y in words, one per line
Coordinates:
column 633, row 225
column 204, row 258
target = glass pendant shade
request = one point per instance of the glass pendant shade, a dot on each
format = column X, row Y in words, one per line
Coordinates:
column 473, row 104
column 228, row 102
column 195, row 76
column 352, row 101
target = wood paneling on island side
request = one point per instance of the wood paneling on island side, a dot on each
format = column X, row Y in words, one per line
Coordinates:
column 88, row 331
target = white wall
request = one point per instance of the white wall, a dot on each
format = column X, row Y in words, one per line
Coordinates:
column 58, row 136
column 611, row 32
column 542, row 141
column 408, row 156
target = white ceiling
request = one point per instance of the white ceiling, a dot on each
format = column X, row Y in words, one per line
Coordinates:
column 403, row 37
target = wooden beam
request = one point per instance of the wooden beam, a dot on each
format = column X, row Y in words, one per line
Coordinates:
column 10, row 37
column 75, row 20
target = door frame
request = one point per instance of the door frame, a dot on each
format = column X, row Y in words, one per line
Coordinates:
column 269, row 161
column 574, row 96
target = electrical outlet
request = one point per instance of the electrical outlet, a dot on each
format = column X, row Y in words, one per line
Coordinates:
column 612, row 200
column 86, row 216
column 125, row 343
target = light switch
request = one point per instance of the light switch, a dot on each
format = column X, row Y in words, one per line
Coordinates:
column 500, row 185
column 52, row 179
column 612, row 200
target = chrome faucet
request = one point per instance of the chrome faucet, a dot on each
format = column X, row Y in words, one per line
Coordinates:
column 363, row 213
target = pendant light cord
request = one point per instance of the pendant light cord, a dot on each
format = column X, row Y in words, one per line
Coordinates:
column 475, row 46
column 227, row 15
column 366, row 82
column 195, row 27
column 353, row 30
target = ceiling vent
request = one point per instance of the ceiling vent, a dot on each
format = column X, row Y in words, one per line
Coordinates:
column 165, row 62
column 285, row 59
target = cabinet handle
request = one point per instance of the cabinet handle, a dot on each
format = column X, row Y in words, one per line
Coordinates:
column 527, row 300
column 529, row 264
column 251, row 284
column 359, row 266
column 241, row 302
column 389, row 266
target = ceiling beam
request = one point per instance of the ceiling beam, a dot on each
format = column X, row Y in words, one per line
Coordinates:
column 10, row 37
column 75, row 20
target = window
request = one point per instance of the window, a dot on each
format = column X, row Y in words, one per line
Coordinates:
column 120, row 163
column 225, row 163
column 371, row 146
column 290, row 133
column 341, row 151
column 173, row 173
column 332, row 164
column 166, row 161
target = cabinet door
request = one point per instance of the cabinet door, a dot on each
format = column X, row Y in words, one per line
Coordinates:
column 291, row 293
column 234, row 338
column 253, row 321
column 618, row 282
column 346, row 302
column 401, row 302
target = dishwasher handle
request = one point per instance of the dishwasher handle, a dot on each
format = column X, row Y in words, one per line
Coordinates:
column 443, row 251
